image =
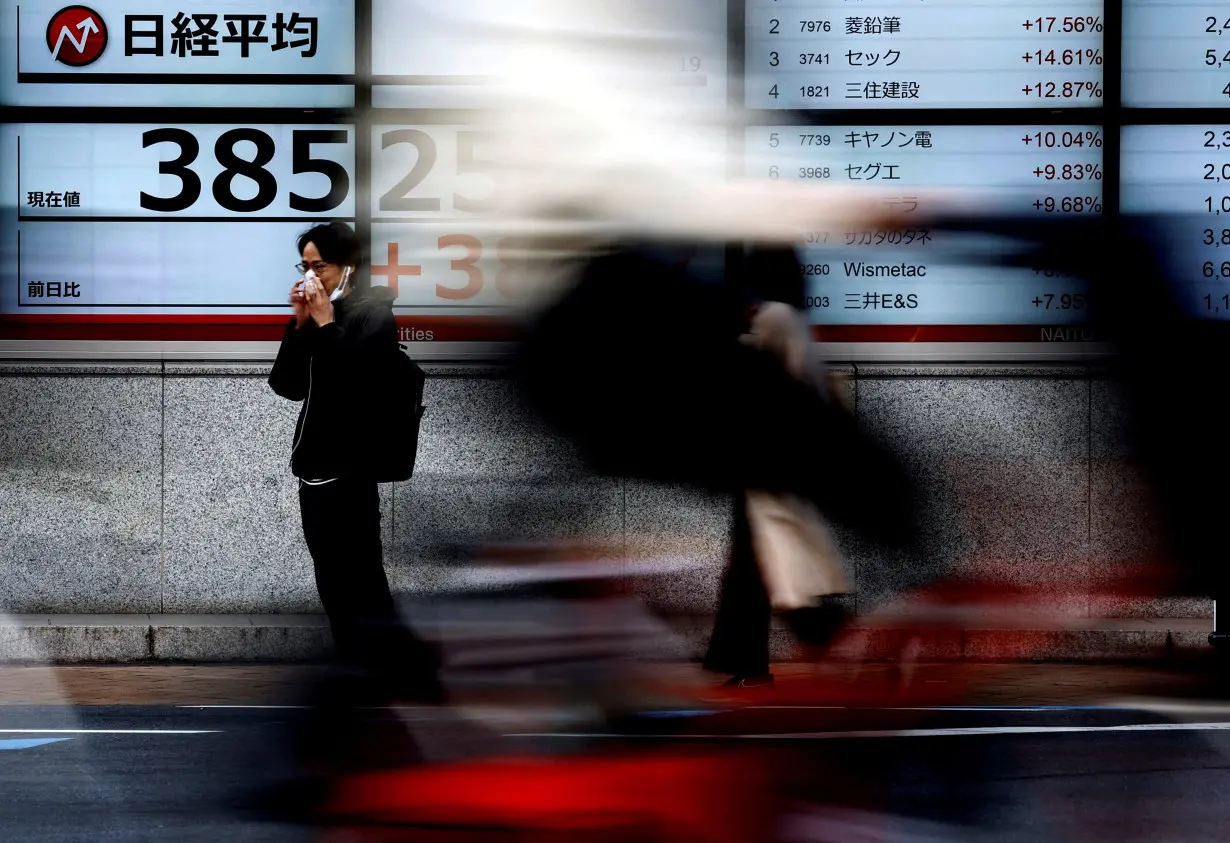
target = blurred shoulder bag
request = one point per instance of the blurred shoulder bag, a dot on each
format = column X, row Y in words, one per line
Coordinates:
column 406, row 385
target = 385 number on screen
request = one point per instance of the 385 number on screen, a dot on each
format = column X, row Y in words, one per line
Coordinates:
column 245, row 155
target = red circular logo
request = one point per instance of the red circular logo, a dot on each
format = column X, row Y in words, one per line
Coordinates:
column 76, row 36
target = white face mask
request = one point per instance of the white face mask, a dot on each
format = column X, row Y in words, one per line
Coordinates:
column 341, row 288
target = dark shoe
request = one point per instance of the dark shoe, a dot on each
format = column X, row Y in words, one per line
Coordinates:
column 817, row 626
column 742, row 690
column 764, row 680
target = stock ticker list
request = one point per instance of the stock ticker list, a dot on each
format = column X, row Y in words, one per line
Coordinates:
column 908, row 276
column 905, row 54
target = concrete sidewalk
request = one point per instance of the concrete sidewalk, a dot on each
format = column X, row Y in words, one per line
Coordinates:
column 951, row 635
column 966, row 683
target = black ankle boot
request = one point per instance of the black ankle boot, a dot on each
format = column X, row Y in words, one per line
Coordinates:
column 817, row 626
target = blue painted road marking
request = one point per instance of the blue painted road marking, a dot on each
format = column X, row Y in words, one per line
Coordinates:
column 683, row 713
column 28, row 743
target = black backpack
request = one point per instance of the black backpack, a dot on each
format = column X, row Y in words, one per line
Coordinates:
column 406, row 382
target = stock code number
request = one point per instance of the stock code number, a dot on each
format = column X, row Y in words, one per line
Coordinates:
column 234, row 165
column 808, row 26
column 805, row 91
column 775, row 140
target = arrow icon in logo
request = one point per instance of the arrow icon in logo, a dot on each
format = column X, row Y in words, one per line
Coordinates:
column 83, row 29
column 86, row 26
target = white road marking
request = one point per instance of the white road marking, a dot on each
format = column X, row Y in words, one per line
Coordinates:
column 242, row 706
column 109, row 731
column 1168, row 706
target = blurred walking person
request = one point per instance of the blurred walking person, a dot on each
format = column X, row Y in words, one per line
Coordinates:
column 608, row 170
column 783, row 556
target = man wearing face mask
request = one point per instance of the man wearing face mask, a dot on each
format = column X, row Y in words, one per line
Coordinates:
column 334, row 358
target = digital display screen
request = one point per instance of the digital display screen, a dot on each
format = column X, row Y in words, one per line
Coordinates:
column 157, row 163
column 222, row 54
column 902, row 277
column 429, row 185
column 119, row 217
column 906, row 54
column 454, row 53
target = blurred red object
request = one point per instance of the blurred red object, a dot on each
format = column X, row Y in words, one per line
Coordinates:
column 705, row 797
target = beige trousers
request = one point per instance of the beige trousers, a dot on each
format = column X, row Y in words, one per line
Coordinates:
column 796, row 551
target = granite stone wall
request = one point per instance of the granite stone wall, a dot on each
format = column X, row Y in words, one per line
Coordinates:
column 164, row 488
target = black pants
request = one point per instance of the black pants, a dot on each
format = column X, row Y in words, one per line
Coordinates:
column 739, row 644
column 341, row 523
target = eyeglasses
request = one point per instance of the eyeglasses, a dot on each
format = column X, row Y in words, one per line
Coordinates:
column 317, row 267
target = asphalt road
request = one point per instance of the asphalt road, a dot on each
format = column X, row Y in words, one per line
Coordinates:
column 179, row 774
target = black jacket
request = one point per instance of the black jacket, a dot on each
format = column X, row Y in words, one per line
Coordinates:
column 341, row 374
